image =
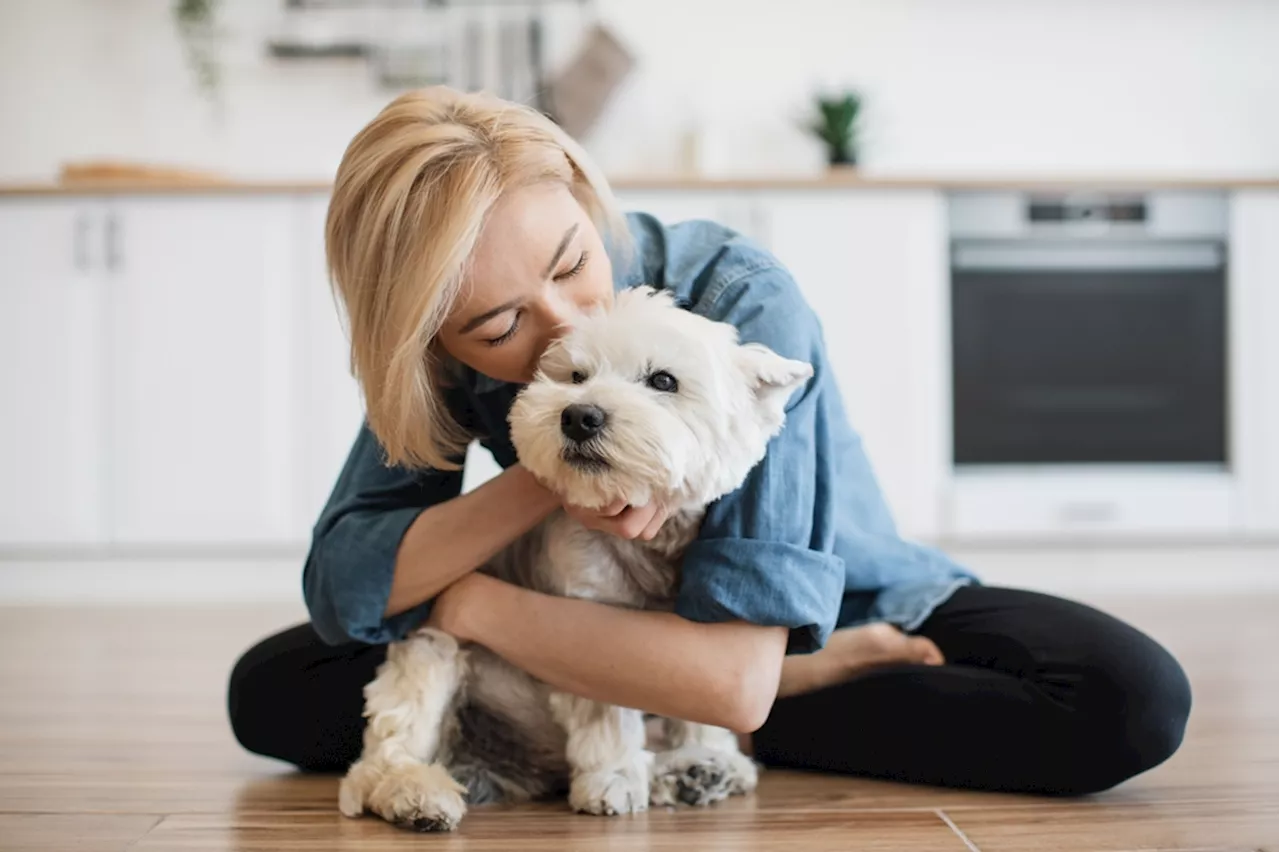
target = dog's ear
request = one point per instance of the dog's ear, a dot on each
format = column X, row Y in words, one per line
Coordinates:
column 770, row 376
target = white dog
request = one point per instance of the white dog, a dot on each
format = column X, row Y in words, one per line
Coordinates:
column 646, row 403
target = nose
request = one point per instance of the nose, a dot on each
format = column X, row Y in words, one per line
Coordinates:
column 560, row 311
column 581, row 423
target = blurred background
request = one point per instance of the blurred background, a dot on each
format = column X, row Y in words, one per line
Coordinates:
column 1041, row 236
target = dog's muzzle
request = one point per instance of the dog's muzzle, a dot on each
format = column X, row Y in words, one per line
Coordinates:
column 581, row 423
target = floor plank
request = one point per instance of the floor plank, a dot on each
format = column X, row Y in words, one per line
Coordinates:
column 552, row 829
column 1102, row 826
column 113, row 730
column 82, row 832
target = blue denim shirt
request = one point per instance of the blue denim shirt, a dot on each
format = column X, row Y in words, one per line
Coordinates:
column 807, row 542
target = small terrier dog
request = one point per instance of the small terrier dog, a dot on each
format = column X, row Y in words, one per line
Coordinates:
column 646, row 403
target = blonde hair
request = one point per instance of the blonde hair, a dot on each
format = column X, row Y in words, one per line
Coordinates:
column 410, row 198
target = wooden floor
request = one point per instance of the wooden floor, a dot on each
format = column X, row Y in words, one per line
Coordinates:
column 113, row 737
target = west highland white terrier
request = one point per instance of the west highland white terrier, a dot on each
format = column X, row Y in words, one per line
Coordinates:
column 644, row 403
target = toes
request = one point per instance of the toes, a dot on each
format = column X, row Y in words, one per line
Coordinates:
column 610, row 793
column 926, row 651
column 425, row 824
column 699, row 783
column 699, row 777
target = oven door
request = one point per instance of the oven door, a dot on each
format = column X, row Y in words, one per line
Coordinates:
column 1089, row 352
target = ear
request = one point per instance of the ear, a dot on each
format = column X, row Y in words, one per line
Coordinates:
column 771, row 377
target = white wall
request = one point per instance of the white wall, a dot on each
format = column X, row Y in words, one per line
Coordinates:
column 1056, row 87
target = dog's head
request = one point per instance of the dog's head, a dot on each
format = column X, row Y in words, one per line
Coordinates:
column 651, row 403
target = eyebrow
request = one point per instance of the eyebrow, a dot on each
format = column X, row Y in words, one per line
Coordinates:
column 560, row 250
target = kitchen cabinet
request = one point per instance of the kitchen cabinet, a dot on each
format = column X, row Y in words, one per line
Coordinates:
column 201, row 330
column 162, row 361
column 53, row 450
column 330, row 406
column 873, row 267
column 176, row 375
column 1254, row 303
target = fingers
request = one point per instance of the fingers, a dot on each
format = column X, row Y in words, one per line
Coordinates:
column 631, row 522
column 621, row 520
column 614, row 509
column 655, row 524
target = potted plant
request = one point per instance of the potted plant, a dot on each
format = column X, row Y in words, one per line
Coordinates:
column 195, row 20
column 835, row 122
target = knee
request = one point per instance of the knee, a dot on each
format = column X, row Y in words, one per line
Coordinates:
column 245, row 708
column 1138, row 721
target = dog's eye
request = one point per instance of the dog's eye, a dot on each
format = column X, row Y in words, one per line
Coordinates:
column 663, row 381
column 578, row 378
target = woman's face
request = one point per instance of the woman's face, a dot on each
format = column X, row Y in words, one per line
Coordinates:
column 539, row 262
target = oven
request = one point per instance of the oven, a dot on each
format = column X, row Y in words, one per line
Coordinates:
column 1089, row 375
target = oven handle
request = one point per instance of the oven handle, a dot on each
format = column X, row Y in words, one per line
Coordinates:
column 1028, row 256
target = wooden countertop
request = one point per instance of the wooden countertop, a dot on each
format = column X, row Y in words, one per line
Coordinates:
column 835, row 180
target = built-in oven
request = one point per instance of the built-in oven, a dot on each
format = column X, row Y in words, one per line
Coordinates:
column 1089, row 375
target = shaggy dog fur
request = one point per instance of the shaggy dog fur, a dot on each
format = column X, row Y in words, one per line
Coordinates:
column 645, row 403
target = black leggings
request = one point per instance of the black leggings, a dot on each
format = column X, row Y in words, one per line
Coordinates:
column 1039, row 695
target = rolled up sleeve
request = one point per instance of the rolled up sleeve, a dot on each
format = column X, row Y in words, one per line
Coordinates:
column 765, row 553
column 347, row 578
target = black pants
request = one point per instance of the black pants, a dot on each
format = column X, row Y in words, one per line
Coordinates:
column 1039, row 694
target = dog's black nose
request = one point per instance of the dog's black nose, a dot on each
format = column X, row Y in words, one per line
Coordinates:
column 581, row 422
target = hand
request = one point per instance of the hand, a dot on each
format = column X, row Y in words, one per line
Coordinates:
column 621, row 520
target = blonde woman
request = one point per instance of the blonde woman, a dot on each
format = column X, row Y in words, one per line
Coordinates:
column 464, row 232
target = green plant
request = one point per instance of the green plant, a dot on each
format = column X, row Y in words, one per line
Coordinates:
column 195, row 22
column 836, row 124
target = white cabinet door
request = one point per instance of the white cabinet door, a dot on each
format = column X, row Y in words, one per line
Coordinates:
column 874, row 267
column 52, row 470
column 203, row 327
column 331, row 408
column 1253, row 285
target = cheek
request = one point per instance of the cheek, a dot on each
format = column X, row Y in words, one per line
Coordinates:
column 594, row 288
column 508, row 362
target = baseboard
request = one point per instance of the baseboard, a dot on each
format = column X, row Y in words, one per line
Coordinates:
column 1147, row 569
column 276, row 577
column 132, row 580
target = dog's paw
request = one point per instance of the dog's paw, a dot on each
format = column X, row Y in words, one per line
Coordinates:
column 419, row 797
column 697, row 775
column 620, row 789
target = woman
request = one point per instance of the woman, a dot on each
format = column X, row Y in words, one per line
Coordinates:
column 464, row 233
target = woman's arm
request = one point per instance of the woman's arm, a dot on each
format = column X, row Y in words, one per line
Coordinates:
column 390, row 538
column 453, row 538
column 722, row 674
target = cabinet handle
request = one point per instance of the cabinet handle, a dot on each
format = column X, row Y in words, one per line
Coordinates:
column 80, row 243
column 114, row 260
column 1087, row 512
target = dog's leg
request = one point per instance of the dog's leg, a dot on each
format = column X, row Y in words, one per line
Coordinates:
column 406, row 706
column 605, row 750
column 702, row 765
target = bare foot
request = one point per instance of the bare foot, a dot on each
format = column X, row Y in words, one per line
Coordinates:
column 873, row 645
column 850, row 652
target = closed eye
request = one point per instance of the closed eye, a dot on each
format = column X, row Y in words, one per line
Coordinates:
column 509, row 333
column 577, row 267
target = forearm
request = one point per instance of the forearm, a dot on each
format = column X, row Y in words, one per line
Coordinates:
column 454, row 538
column 720, row 674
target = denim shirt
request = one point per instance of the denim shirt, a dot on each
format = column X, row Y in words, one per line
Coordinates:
column 807, row 542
